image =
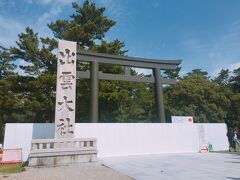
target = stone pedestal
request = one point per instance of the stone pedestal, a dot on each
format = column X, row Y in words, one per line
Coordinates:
column 51, row 152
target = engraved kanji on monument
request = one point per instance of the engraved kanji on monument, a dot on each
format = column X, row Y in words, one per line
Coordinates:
column 66, row 89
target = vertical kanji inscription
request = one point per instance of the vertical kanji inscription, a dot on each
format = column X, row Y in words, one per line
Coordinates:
column 66, row 90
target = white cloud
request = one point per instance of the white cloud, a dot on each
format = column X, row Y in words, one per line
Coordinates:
column 10, row 27
column 55, row 9
column 116, row 9
column 21, row 63
column 28, row 1
column 230, row 36
column 56, row 2
column 155, row 4
column 6, row 3
column 48, row 16
column 9, row 31
column 183, row 73
column 214, row 53
column 195, row 45
column 143, row 71
column 231, row 67
column 225, row 44
column 46, row 1
column 234, row 66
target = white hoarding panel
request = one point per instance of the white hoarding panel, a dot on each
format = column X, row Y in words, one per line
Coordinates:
column 120, row 139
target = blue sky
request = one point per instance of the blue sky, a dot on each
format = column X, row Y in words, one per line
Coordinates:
column 203, row 33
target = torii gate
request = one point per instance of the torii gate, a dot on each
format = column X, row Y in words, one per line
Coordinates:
column 67, row 75
column 96, row 58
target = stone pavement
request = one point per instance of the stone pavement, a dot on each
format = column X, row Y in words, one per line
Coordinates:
column 188, row 166
column 196, row 166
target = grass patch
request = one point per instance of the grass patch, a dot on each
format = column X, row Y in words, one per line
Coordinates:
column 11, row 168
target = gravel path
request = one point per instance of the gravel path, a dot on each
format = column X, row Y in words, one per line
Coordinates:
column 86, row 171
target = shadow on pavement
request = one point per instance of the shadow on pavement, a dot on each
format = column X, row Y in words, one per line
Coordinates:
column 231, row 162
column 235, row 155
column 233, row 178
column 226, row 152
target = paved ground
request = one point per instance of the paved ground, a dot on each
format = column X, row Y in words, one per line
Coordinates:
column 195, row 166
column 188, row 166
column 85, row 171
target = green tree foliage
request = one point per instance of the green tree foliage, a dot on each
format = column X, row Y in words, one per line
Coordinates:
column 6, row 63
column 38, row 84
column 173, row 74
column 222, row 78
column 36, row 52
column 198, row 97
column 233, row 115
column 234, row 81
column 8, row 100
column 134, row 102
column 87, row 25
column 199, row 72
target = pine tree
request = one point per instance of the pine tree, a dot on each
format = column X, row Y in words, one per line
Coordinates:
column 7, row 66
column 87, row 26
column 223, row 78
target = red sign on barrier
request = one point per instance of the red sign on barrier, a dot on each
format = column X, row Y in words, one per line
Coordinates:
column 11, row 156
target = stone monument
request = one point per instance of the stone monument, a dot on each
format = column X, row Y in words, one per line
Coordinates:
column 64, row 148
column 66, row 90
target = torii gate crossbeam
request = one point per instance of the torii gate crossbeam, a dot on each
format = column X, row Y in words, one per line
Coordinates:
column 98, row 58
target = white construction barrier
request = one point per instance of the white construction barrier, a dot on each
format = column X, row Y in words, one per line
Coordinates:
column 120, row 139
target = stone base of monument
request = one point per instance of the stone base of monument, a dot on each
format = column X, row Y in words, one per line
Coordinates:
column 53, row 152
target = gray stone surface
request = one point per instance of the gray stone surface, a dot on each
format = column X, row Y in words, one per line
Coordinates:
column 205, row 166
column 66, row 89
column 63, row 159
column 62, row 151
column 84, row 171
